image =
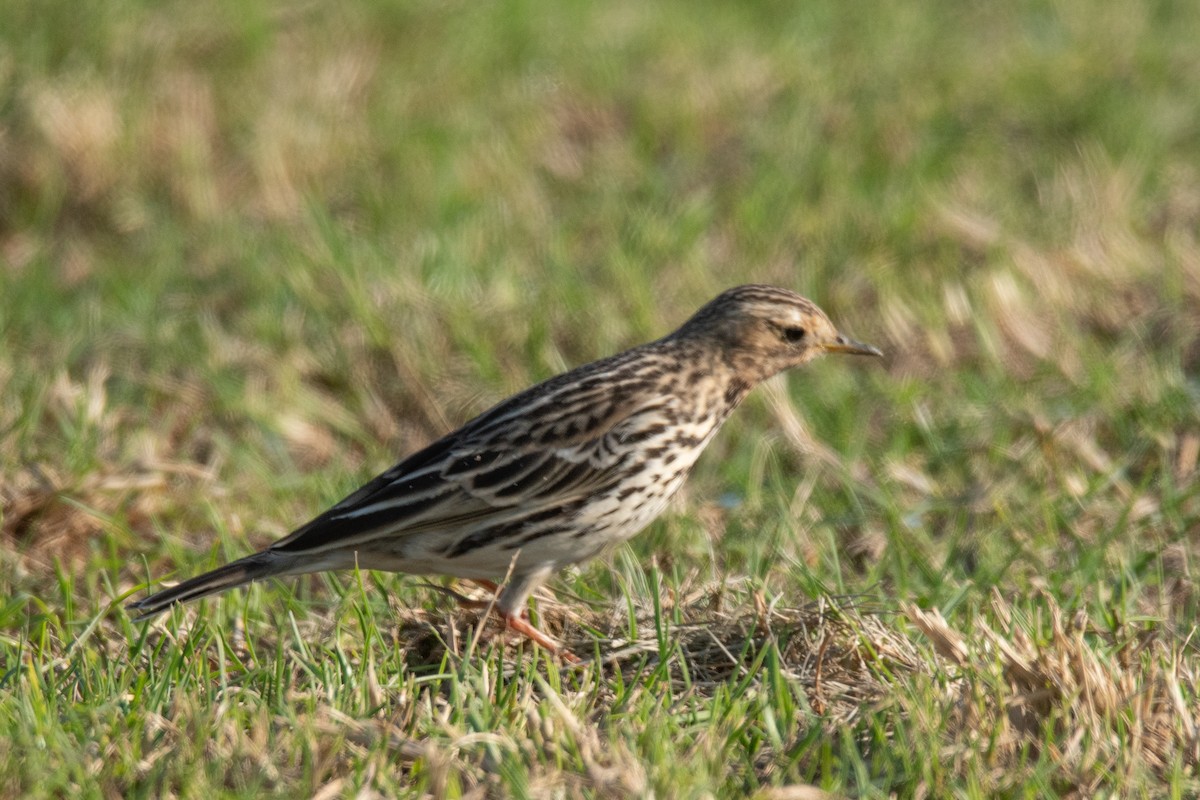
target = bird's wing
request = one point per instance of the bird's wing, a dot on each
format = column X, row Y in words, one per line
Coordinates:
column 522, row 458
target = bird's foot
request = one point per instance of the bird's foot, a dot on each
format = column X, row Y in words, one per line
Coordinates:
column 517, row 622
column 514, row 621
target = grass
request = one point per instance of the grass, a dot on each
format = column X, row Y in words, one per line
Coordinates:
column 249, row 255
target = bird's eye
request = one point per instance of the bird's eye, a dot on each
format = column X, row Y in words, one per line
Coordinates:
column 793, row 335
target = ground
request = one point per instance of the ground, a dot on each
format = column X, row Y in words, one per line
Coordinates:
column 252, row 254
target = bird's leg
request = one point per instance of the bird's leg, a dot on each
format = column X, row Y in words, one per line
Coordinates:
column 518, row 623
column 510, row 605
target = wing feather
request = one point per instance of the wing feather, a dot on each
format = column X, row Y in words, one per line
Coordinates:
column 481, row 473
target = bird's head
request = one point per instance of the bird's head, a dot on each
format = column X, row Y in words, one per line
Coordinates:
column 763, row 330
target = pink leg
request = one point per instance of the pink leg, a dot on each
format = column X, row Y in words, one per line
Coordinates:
column 509, row 605
column 517, row 623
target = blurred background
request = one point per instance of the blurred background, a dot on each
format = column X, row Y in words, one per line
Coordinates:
column 251, row 253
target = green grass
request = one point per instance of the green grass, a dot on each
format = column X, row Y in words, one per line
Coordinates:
column 250, row 255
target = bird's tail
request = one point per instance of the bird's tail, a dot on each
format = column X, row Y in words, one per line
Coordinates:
column 238, row 573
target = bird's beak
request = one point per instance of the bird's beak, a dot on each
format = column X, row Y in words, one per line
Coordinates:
column 844, row 344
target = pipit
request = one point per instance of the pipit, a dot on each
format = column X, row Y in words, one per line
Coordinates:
column 555, row 474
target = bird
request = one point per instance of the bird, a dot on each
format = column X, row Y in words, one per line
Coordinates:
column 555, row 474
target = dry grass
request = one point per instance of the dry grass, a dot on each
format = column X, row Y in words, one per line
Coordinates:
column 1096, row 702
